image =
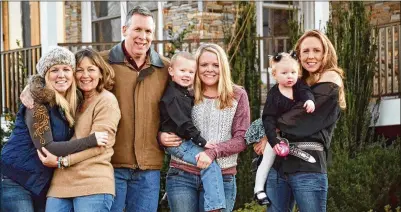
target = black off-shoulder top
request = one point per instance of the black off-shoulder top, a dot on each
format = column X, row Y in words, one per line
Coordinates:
column 298, row 126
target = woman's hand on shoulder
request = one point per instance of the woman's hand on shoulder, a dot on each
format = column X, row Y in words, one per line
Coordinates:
column 26, row 98
column 101, row 138
column 331, row 76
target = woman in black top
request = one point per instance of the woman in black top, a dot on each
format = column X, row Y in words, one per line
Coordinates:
column 294, row 179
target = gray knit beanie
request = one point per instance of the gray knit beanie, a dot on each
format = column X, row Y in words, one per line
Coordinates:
column 56, row 56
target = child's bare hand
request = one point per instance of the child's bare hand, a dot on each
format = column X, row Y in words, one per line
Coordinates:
column 260, row 146
column 277, row 149
column 310, row 106
column 210, row 146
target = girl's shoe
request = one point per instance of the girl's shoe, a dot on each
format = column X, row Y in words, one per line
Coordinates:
column 263, row 201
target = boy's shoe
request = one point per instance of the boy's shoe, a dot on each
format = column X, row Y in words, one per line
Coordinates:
column 255, row 163
column 164, row 200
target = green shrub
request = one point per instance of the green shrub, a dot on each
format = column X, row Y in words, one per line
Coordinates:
column 371, row 179
column 2, row 136
column 245, row 178
column 350, row 32
column 251, row 207
column 254, row 207
column 6, row 133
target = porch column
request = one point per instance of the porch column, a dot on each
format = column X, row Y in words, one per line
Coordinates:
column 200, row 6
column 124, row 11
column 1, row 27
column 48, row 22
column 259, row 32
column 308, row 13
column 2, row 99
column 160, row 27
column 86, row 18
column 322, row 13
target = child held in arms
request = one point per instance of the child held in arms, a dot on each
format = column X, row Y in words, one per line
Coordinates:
column 280, row 99
column 175, row 116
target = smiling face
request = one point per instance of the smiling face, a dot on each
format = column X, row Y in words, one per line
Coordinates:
column 139, row 35
column 183, row 71
column 87, row 75
column 311, row 54
column 209, row 69
column 60, row 78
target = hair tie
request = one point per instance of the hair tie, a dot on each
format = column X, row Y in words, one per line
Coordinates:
column 277, row 57
column 293, row 54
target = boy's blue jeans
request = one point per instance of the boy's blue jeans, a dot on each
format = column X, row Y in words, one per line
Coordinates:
column 211, row 177
column 186, row 193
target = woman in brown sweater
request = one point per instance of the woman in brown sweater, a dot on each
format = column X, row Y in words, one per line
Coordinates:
column 24, row 179
column 85, row 181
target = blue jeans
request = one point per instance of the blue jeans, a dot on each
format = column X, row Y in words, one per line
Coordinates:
column 212, row 180
column 95, row 202
column 185, row 192
column 15, row 198
column 136, row 190
column 308, row 190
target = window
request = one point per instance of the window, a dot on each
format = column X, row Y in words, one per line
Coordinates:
column 106, row 21
column 276, row 15
column 275, row 24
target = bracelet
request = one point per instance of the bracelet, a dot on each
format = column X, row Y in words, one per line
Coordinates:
column 69, row 160
column 65, row 162
column 59, row 162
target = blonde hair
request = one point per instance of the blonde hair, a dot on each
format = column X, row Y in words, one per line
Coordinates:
column 67, row 104
column 329, row 62
column 225, row 88
column 185, row 55
column 287, row 58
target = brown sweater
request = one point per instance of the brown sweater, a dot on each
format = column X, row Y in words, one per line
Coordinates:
column 138, row 94
column 94, row 175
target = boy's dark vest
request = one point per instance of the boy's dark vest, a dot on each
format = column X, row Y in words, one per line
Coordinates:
column 20, row 161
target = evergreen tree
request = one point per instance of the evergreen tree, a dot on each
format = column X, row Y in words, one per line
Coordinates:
column 242, row 53
column 351, row 34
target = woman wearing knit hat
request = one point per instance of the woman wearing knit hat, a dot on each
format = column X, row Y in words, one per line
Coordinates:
column 25, row 180
column 89, row 184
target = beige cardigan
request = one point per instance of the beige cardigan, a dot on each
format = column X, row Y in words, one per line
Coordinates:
column 91, row 171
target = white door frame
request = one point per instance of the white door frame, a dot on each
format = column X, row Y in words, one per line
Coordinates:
column 315, row 14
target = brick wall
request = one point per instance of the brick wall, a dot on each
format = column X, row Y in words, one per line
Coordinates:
column 207, row 23
column 72, row 15
column 384, row 12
